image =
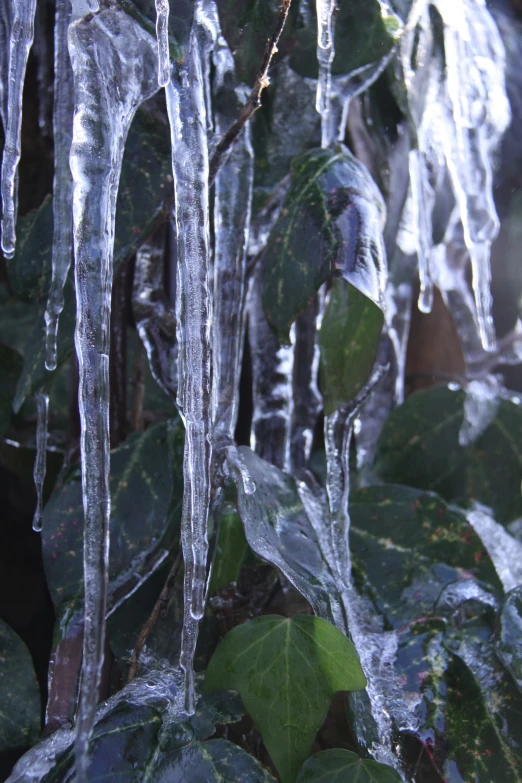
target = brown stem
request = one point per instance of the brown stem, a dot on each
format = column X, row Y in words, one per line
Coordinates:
column 254, row 101
column 159, row 607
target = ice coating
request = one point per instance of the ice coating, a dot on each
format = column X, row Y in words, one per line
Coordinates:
column 42, row 412
column 20, row 42
column 5, row 31
column 325, row 57
column 109, row 87
column 62, row 185
column 162, row 34
column 504, row 550
column 232, row 208
column 480, row 408
column 187, row 116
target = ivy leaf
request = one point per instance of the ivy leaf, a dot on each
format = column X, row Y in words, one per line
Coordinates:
column 509, row 634
column 407, row 546
column 348, row 341
column 19, row 693
column 231, row 548
column 278, row 530
column 331, row 226
column 420, row 447
column 10, row 367
column 146, row 492
column 343, row 766
column 286, row 671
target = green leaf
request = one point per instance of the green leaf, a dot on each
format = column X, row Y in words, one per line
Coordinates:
column 30, row 269
column 348, row 341
column 19, row 693
column 279, row 530
column 343, row 766
column 10, row 366
column 146, row 493
column 331, row 225
column 366, row 31
column 286, row 671
column 231, row 548
column 509, row 634
column 407, row 546
column 420, row 447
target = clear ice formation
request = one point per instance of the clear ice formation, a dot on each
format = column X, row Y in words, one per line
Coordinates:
column 20, row 41
column 42, row 412
column 480, row 408
column 187, row 116
column 62, row 185
column 504, row 550
column 325, row 58
column 109, row 87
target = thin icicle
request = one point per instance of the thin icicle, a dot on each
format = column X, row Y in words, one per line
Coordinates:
column 187, row 115
column 42, row 411
column 325, row 58
column 115, row 66
column 5, row 31
column 20, row 42
column 62, row 185
column 422, row 201
column 162, row 34
column 232, row 207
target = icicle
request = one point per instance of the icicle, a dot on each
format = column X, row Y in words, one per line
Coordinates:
column 115, row 65
column 62, row 185
column 41, row 51
column 232, row 207
column 422, row 202
column 504, row 550
column 186, row 108
column 155, row 318
column 5, row 32
column 42, row 411
column 20, row 42
column 162, row 34
column 325, row 58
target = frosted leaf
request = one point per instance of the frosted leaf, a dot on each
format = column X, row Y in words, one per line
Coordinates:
column 480, row 408
column 461, row 591
column 504, row 550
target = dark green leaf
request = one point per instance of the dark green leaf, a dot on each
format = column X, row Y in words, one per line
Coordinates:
column 366, row 31
column 348, row 340
column 278, row 529
column 286, row 671
column 146, row 493
column 10, row 367
column 342, row 766
column 331, row 225
column 19, row 693
column 180, row 21
column 420, row 447
column 231, row 548
column 509, row 634
column 30, row 268
column 216, row 761
column 407, row 546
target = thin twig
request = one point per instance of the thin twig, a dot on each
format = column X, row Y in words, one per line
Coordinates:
column 159, row 608
column 254, row 101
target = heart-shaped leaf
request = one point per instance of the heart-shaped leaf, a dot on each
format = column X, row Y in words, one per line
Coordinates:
column 343, row 766
column 330, row 226
column 348, row 340
column 19, row 693
column 420, row 447
column 286, row 671
column 509, row 634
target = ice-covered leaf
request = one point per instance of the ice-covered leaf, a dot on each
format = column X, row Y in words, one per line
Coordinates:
column 330, row 226
column 365, row 33
column 509, row 634
column 279, row 530
column 343, row 766
column 19, row 693
column 10, row 367
column 146, row 492
column 231, row 548
column 348, row 341
column 286, row 671
column 420, row 447
column 30, row 268
column 407, row 546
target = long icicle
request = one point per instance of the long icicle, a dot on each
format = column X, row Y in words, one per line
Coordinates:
column 187, row 115
column 42, row 411
column 325, row 58
column 62, row 185
column 20, row 42
column 110, row 83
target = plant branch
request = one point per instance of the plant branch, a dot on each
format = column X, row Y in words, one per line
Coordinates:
column 254, row 101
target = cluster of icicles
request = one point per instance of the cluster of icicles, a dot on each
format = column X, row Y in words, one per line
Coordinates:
column 106, row 66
